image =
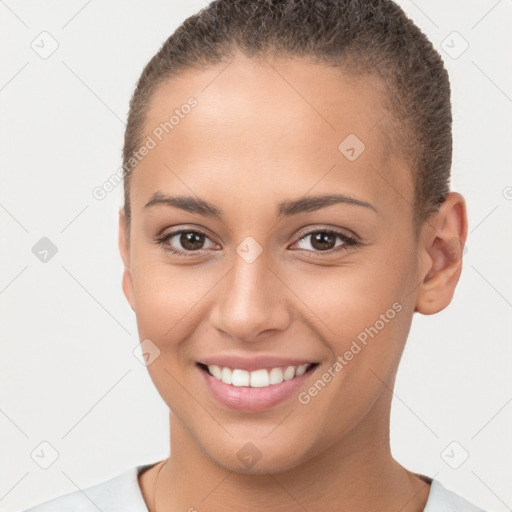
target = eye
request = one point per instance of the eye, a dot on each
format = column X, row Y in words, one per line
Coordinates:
column 191, row 242
column 325, row 240
column 188, row 242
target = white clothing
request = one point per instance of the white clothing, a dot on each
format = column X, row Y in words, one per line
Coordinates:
column 122, row 493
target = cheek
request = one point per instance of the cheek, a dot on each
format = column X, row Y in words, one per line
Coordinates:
column 167, row 305
column 169, row 300
column 363, row 321
column 349, row 298
column 362, row 311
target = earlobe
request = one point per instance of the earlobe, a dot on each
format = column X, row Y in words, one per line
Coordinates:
column 442, row 245
column 124, row 250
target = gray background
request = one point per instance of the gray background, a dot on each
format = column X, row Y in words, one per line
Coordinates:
column 69, row 376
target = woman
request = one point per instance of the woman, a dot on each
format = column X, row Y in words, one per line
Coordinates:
column 287, row 211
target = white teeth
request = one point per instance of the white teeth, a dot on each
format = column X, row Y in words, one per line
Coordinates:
column 240, row 378
column 301, row 370
column 226, row 376
column 258, row 378
column 276, row 376
column 289, row 373
column 216, row 371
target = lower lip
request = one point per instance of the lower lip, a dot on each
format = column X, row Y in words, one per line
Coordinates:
column 244, row 398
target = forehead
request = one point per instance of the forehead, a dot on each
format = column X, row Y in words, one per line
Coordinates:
column 283, row 126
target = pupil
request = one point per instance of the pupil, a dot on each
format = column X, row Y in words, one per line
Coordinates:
column 192, row 241
column 320, row 240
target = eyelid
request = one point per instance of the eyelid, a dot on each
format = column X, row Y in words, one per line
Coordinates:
column 164, row 238
column 348, row 240
column 344, row 232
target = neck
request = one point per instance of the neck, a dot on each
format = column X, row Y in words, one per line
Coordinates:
column 356, row 473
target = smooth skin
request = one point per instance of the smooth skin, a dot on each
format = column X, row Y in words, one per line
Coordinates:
column 263, row 132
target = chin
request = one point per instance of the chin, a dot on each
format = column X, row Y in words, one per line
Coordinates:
column 257, row 457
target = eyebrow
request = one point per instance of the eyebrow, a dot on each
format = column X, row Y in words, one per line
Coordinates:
column 284, row 209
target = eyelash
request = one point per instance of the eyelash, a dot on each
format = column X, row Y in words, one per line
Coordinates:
column 349, row 242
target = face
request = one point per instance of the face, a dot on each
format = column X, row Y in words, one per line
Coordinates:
column 295, row 246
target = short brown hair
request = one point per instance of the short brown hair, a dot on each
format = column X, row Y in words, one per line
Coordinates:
column 364, row 37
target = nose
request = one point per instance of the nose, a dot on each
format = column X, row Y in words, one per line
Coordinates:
column 252, row 301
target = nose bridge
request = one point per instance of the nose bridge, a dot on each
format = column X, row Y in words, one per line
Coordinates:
column 251, row 299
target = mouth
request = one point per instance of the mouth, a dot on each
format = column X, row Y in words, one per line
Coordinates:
column 254, row 390
column 260, row 378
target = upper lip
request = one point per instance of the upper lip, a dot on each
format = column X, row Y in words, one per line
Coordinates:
column 253, row 363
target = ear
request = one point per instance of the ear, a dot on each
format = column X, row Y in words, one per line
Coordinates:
column 442, row 243
column 124, row 249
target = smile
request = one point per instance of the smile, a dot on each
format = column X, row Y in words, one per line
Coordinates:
column 254, row 388
column 258, row 378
